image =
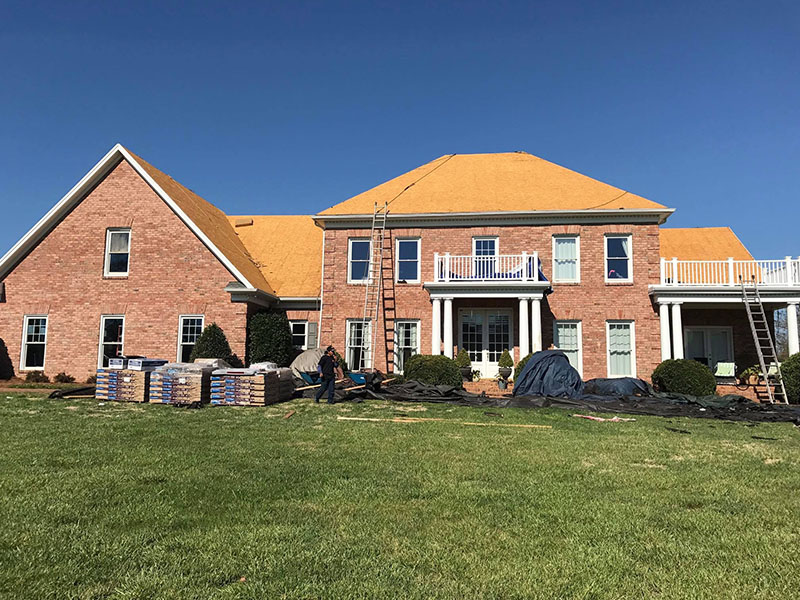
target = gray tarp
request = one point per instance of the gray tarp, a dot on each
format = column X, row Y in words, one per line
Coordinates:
column 548, row 373
column 306, row 362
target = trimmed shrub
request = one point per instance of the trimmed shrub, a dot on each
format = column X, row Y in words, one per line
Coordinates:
column 212, row 343
column 463, row 359
column 63, row 378
column 271, row 338
column 6, row 365
column 36, row 377
column 433, row 370
column 790, row 371
column 684, row 376
column 505, row 361
column 521, row 365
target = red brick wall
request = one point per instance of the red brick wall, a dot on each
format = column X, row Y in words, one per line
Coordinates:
column 592, row 301
column 171, row 273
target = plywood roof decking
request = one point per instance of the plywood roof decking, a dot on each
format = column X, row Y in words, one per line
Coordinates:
column 511, row 181
column 287, row 249
column 702, row 243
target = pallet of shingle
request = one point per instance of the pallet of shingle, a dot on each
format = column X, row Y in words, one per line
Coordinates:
column 181, row 383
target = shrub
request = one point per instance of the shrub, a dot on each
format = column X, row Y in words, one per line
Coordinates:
column 91, row 379
column 212, row 343
column 63, row 378
column 754, row 370
column 521, row 365
column 505, row 361
column 463, row 359
column 271, row 338
column 433, row 370
column 684, row 376
column 36, row 377
column 790, row 371
column 6, row 364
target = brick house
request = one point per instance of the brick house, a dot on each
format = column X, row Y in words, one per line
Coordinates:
column 485, row 252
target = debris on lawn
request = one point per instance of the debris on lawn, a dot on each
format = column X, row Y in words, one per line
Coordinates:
column 604, row 419
column 677, row 430
column 430, row 419
column 289, row 414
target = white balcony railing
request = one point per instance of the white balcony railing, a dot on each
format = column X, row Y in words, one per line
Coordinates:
column 689, row 273
column 502, row 267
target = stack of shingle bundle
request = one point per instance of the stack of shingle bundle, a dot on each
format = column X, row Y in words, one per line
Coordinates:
column 126, row 384
column 181, row 383
column 251, row 387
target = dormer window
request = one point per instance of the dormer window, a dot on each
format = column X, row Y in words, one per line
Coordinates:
column 118, row 251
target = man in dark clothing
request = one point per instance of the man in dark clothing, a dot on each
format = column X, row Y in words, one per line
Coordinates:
column 327, row 369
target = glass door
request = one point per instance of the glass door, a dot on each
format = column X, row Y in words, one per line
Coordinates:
column 485, row 333
column 708, row 345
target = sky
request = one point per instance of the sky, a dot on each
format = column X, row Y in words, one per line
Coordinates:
column 288, row 108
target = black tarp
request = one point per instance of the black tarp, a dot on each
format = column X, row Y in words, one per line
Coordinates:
column 618, row 386
column 548, row 373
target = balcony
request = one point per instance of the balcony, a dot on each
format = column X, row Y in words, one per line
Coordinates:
column 782, row 273
column 498, row 268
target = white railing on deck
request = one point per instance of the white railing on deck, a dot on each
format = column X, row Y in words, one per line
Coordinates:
column 502, row 267
column 687, row 273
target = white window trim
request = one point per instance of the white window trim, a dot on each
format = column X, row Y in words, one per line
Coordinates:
column 305, row 335
column 417, row 279
column 350, row 258
column 180, row 331
column 486, row 237
column 107, row 258
column 577, row 258
column 25, row 318
column 630, row 257
column 100, row 342
column 397, row 337
column 633, row 346
column 580, row 339
column 368, row 333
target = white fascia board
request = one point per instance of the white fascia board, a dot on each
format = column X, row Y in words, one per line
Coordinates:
column 720, row 294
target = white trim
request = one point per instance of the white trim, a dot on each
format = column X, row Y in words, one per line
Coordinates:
column 577, row 238
column 304, row 345
column 107, row 257
column 180, row 330
column 23, row 347
column 350, row 241
column 100, row 341
column 397, row 241
column 607, row 237
column 396, row 337
column 369, row 350
column 579, row 323
column 633, row 346
column 486, row 311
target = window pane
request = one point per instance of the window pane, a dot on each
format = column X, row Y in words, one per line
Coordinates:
column 34, row 356
column 566, row 247
column 191, row 329
column 119, row 241
column 566, row 270
column 112, row 330
column 359, row 250
column 617, row 268
column 619, row 349
column 407, row 249
column 485, row 247
column 407, row 270
column 35, row 332
column 617, row 247
column 117, row 263
column 298, row 334
column 359, row 270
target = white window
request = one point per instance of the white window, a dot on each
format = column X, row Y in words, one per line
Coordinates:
column 190, row 328
column 408, row 260
column 358, row 354
column 358, row 259
column 299, row 334
column 619, row 266
column 112, row 337
column 566, row 258
column 406, row 343
column 118, row 248
column 621, row 342
column 485, row 246
column 484, row 252
column 567, row 337
column 34, row 343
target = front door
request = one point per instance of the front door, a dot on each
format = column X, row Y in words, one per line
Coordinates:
column 708, row 345
column 485, row 333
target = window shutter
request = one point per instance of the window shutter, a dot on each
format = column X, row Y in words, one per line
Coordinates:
column 312, row 335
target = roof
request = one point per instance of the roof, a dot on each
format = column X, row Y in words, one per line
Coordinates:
column 475, row 183
column 702, row 243
column 287, row 250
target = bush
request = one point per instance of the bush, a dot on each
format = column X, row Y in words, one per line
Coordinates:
column 684, row 376
column 36, row 377
column 433, row 370
column 505, row 361
column 91, row 379
column 521, row 365
column 790, row 371
column 212, row 343
column 754, row 370
column 6, row 365
column 63, row 378
column 271, row 338
column 463, row 359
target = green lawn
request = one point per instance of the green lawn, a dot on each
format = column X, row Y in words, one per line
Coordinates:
column 129, row 501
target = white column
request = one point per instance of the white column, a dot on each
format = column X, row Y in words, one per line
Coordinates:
column 791, row 324
column 524, row 327
column 666, row 342
column 677, row 331
column 448, row 327
column 536, row 324
column 436, row 327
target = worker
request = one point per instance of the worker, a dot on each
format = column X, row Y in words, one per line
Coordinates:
column 327, row 369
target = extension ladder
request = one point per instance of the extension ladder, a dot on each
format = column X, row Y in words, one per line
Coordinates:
column 374, row 284
column 764, row 344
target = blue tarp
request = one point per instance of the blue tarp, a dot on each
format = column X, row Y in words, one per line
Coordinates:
column 548, row 373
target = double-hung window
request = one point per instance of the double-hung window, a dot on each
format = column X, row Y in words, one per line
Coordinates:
column 484, row 252
column 358, row 260
column 112, row 337
column 299, row 334
column 621, row 349
column 566, row 259
column 406, row 343
column 408, row 260
column 619, row 266
column 567, row 338
column 191, row 326
column 358, row 351
column 118, row 252
column 34, row 343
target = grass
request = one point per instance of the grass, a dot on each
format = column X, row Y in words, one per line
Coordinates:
column 138, row 501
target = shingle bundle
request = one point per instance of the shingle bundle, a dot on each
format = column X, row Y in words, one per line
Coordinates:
column 126, row 380
column 251, row 387
column 181, row 383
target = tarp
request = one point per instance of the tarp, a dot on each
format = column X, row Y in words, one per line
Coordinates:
column 619, row 386
column 548, row 373
column 306, row 362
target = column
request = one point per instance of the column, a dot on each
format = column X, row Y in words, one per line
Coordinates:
column 536, row 324
column 524, row 327
column 666, row 349
column 436, row 327
column 677, row 331
column 791, row 325
column 448, row 327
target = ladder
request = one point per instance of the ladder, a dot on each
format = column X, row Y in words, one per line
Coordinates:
column 374, row 284
column 764, row 344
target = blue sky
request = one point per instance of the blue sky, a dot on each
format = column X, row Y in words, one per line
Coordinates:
column 292, row 107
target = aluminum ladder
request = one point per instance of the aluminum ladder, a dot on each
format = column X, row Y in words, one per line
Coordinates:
column 374, row 284
column 765, row 347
